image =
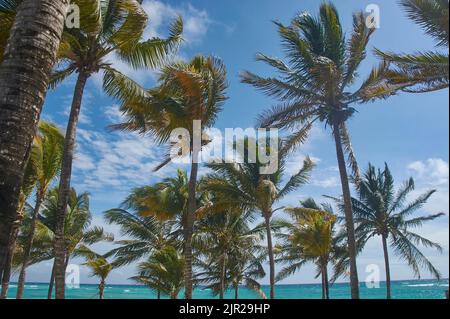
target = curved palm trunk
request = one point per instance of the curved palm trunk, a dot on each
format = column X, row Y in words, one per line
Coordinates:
column 64, row 184
column 388, row 268
column 24, row 76
column 354, row 283
column 12, row 244
column 29, row 245
column 271, row 257
column 192, row 207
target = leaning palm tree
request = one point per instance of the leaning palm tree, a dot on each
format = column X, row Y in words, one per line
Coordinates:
column 34, row 26
column 107, row 28
column 310, row 238
column 46, row 157
column 189, row 96
column 380, row 211
column 163, row 272
column 247, row 187
column 314, row 86
column 424, row 71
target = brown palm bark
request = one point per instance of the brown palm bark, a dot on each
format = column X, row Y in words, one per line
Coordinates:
column 64, row 184
column 190, row 218
column 51, row 283
column 12, row 244
column 101, row 290
column 387, row 267
column 29, row 245
column 271, row 256
column 350, row 227
column 24, row 77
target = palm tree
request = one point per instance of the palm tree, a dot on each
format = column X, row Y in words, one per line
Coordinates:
column 46, row 157
column 77, row 231
column 310, row 238
column 224, row 242
column 189, row 94
column 111, row 27
column 100, row 267
column 246, row 187
column 423, row 71
column 380, row 211
column 144, row 234
column 314, row 86
column 163, row 272
column 28, row 184
column 24, row 78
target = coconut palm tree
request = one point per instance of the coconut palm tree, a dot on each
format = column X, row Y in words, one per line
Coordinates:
column 98, row 264
column 424, row 71
column 163, row 272
column 46, row 156
column 315, row 86
column 24, row 78
column 224, row 241
column 246, row 186
column 189, row 96
column 311, row 237
column 107, row 28
column 77, row 231
column 382, row 212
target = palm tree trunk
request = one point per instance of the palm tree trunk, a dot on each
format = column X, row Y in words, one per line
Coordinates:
column 64, row 184
column 222, row 279
column 12, row 245
column 388, row 268
column 271, row 256
column 51, row 283
column 323, row 282
column 101, row 290
column 158, row 294
column 192, row 207
column 29, row 245
column 236, row 291
column 327, row 283
column 350, row 227
column 24, row 77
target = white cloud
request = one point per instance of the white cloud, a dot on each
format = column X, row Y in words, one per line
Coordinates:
column 434, row 171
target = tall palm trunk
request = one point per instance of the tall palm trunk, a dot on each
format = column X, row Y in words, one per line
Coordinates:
column 24, row 76
column 29, row 245
column 387, row 266
column 271, row 256
column 350, row 227
column 192, row 207
column 327, row 283
column 64, row 184
column 236, row 291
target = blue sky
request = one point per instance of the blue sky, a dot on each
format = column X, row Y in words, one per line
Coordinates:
column 409, row 132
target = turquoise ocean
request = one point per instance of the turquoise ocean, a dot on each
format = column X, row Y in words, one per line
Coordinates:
column 408, row 289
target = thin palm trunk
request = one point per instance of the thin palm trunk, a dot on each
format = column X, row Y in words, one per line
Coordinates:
column 271, row 257
column 51, row 283
column 192, row 207
column 236, row 291
column 327, row 283
column 64, row 184
column 222, row 278
column 12, row 244
column 24, row 76
column 323, row 283
column 350, row 227
column 388, row 268
column 158, row 294
column 29, row 245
